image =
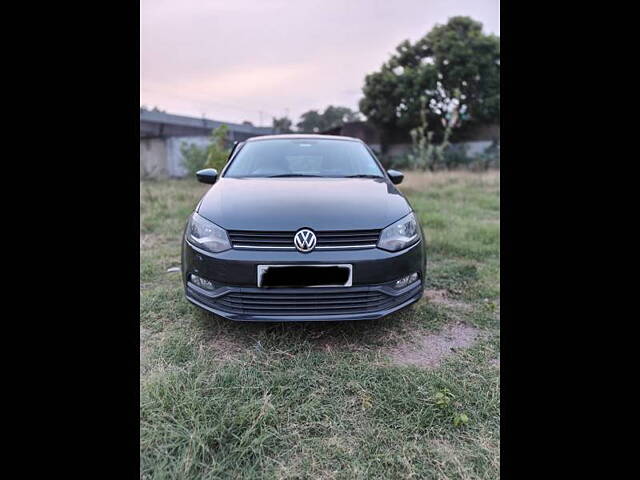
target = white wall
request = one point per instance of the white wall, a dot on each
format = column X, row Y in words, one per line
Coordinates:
column 477, row 147
column 152, row 158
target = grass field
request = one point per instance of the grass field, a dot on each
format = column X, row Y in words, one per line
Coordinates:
column 415, row 395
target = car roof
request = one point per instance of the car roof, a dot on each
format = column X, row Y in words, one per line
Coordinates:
column 302, row 136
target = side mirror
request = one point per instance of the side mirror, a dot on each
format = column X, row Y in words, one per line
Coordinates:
column 395, row 176
column 208, row 175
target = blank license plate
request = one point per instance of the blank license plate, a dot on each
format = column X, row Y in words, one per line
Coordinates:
column 293, row 276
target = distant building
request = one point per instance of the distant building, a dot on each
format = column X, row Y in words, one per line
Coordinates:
column 362, row 130
column 475, row 138
column 162, row 134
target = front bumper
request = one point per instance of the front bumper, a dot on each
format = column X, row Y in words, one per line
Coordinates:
column 304, row 304
column 236, row 296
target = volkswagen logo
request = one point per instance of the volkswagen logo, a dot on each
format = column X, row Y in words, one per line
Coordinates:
column 305, row 240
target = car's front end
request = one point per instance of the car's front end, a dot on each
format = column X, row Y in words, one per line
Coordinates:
column 381, row 281
column 303, row 249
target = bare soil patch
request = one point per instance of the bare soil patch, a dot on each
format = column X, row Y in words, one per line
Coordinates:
column 429, row 350
column 442, row 297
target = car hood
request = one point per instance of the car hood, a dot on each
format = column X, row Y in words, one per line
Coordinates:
column 288, row 204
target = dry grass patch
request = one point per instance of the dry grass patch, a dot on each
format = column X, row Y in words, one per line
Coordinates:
column 149, row 241
column 418, row 181
column 153, row 241
column 224, row 349
column 429, row 350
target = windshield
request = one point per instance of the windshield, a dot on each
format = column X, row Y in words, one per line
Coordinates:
column 304, row 158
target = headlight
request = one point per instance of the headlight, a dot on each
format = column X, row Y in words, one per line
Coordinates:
column 207, row 235
column 400, row 235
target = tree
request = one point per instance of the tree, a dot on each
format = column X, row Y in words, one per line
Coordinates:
column 217, row 152
column 282, row 125
column 457, row 57
column 311, row 122
column 337, row 116
column 315, row 122
column 214, row 155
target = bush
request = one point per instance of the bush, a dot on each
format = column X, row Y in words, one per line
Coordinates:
column 194, row 158
column 456, row 156
column 217, row 153
column 214, row 155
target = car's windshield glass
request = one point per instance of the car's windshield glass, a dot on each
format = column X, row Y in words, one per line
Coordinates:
column 303, row 158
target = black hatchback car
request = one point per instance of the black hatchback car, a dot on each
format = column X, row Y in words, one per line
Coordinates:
column 303, row 228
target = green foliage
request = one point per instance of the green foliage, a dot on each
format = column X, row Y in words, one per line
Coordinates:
column 214, row 155
column 311, row 122
column 454, row 156
column 194, row 158
column 217, row 153
column 282, row 125
column 314, row 122
column 460, row 420
column 443, row 398
column 458, row 56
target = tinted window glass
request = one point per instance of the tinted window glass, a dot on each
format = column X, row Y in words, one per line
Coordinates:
column 302, row 157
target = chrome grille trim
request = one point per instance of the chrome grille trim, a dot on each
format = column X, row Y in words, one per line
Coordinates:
column 281, row 240
column 258, row 247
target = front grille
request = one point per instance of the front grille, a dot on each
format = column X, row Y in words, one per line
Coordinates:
column 302, row 303
column 326, row 240
column 244, row 239
column 311, row 301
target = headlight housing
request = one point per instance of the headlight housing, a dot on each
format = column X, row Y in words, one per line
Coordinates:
column 206, row 235
column 400, row 235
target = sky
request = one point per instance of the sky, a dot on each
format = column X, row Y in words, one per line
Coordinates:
column 236, row 60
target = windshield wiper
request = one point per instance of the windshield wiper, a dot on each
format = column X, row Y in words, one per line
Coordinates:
column 293, row 175
column 362, row 175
